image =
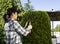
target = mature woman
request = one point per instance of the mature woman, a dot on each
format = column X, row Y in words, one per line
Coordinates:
column 13, row 29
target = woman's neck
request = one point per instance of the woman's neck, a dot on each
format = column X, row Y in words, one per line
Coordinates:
column 12, row 18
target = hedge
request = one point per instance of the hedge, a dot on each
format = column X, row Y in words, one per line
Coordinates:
column 2, row 40
column 41, row 31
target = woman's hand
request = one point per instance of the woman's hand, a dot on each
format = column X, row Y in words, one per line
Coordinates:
column 30, row 26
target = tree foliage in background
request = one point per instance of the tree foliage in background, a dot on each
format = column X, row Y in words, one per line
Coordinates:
column 28, row 6
column 41, row 31
column 4, row 5
column 57, row 28
column 2, row 31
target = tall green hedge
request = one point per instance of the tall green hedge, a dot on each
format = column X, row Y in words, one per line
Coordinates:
column 41, row 32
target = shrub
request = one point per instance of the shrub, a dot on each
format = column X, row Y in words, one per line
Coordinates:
column 41, row 32
column 2, row 40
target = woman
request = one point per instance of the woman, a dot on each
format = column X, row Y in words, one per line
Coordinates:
column 13, row 29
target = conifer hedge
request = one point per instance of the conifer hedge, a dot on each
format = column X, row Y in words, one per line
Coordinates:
column 41, row 31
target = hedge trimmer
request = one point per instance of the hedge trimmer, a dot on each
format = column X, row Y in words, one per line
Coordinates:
column 28, row 21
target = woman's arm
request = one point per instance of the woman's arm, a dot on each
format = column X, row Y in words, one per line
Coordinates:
column 21, row 30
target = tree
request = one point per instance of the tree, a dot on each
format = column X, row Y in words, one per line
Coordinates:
column 57, row 29
column 5, row 4
column 28, row 6
column 1, row 31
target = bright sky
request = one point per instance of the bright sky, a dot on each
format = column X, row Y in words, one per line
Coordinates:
column 45, row 5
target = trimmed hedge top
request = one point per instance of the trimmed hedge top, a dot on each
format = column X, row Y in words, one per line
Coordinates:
column 41, row 32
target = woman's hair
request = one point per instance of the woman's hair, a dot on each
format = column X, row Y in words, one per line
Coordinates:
column 13, row 9
column 5, row 17
column 9, row 13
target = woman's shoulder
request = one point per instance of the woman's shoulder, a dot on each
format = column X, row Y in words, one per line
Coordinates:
column 10, row 22
column 16, row 22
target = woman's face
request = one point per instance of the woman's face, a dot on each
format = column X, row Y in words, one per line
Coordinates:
column 15, row 15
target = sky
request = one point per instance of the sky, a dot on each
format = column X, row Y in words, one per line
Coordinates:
column 45, row 5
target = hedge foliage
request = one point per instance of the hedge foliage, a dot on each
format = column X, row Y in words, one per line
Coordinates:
column 41, row 32
column 2, row 40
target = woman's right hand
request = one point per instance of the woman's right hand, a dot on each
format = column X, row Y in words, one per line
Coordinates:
column 30, row 26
